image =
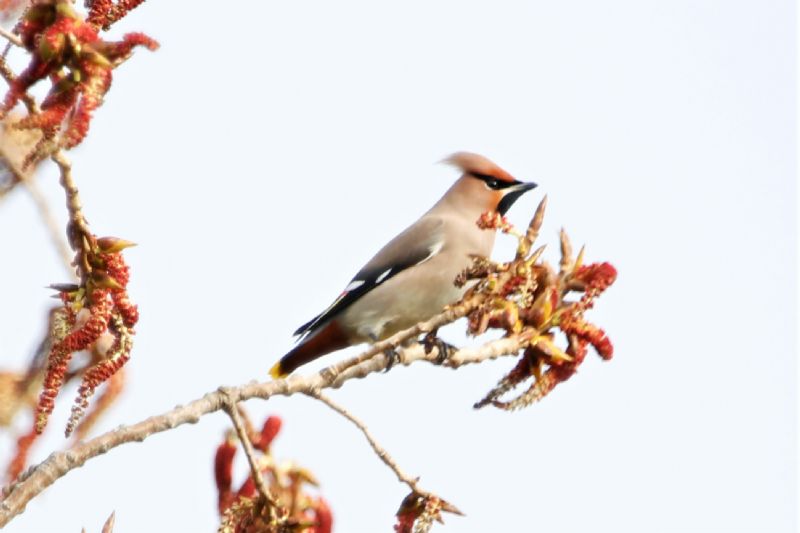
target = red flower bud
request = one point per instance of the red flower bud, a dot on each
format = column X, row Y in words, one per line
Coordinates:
column 269, row 431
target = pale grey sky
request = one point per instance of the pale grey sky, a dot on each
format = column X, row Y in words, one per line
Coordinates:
column 269, row 148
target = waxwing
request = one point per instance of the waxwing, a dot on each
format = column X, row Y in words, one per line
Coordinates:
column 411, row 278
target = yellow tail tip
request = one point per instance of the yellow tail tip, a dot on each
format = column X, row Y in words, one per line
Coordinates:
column 277, row 372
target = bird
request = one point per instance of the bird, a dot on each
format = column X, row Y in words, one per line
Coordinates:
column 412, row 277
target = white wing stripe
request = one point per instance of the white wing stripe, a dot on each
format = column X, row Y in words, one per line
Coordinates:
column 435, row 248
column 383, row 276
column 356, row 283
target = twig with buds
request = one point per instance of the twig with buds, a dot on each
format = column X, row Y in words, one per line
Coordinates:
column 21, row 176
column 232, row 409
column 78, row 232
column 102, row 272
column 39, row 477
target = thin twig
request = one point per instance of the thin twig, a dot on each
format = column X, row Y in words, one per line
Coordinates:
column 50, row 222
column 73, row 200
column 8, row 75
column 38, row 198
column 11, row 37
column 39, row 477
column 383, row 455
column 43, row 206
column 17, row 175
column 78, row 232
column 232, row 409
column 9, row 159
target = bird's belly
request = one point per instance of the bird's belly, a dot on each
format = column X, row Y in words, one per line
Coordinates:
column 402, row 302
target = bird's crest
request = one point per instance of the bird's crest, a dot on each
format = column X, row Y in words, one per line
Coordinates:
column 477, row 164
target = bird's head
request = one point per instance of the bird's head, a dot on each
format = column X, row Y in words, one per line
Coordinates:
column 484, row 186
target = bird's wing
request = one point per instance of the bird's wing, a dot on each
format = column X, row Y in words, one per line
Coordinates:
column 418, row 243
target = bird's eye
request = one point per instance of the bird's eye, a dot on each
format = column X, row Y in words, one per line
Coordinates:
column 492, row 183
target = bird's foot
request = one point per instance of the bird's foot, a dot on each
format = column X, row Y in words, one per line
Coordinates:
column 391, row 353
column 392, row 357
column 431, row 341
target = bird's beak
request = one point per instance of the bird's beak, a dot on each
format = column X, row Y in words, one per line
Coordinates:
column 512, row 194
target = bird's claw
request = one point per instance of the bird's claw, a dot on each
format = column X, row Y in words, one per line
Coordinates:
column 445, row 349
column 391, row 353
column 392, row 357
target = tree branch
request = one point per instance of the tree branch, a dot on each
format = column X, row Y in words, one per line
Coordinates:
column 39, row 477
column 8, row 75
column 12, row 38
column 21, row 176
column 53, row 227
column 10, row 160
column 77, row 229
column 232, row 409
column 339, row 372
column 383, row 455
column 78, row 232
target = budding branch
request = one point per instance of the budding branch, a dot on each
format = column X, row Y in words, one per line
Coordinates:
column 39, row 477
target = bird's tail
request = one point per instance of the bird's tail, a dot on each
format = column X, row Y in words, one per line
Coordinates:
column 325, row 340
